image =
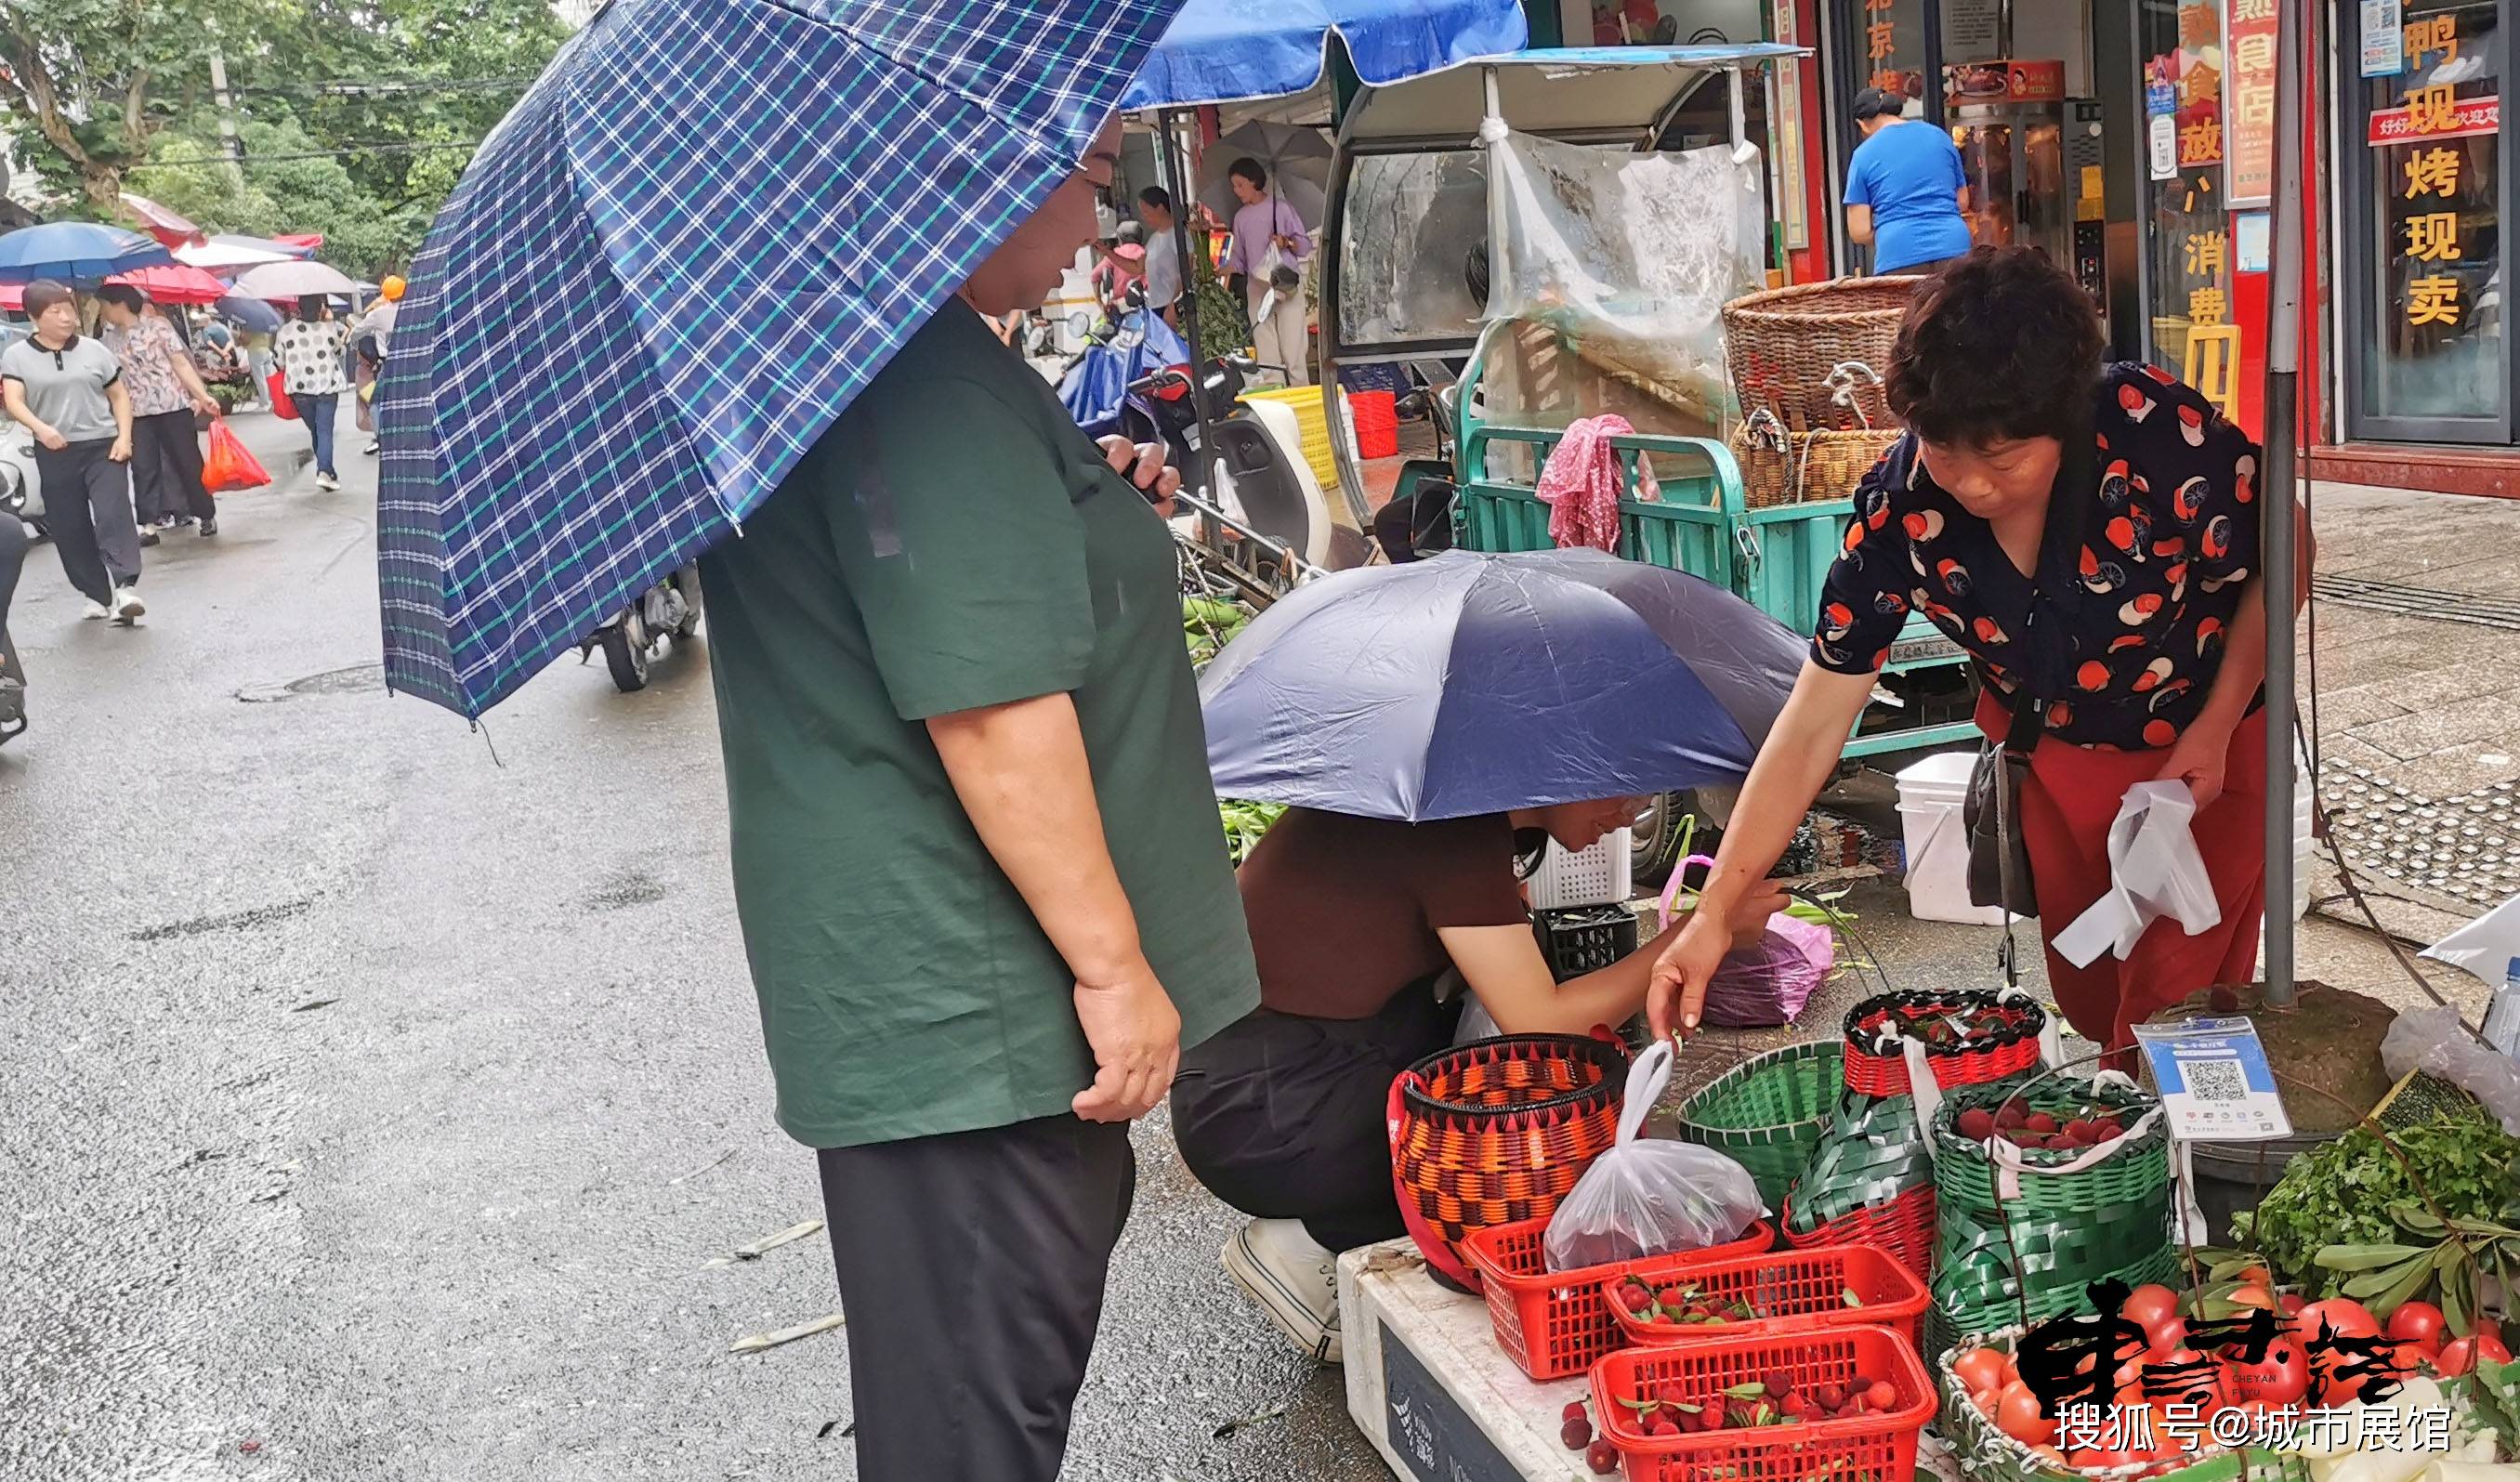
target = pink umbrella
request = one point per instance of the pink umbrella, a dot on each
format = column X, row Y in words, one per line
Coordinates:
column 310, row 240
column 170, row 229
column 175, row 282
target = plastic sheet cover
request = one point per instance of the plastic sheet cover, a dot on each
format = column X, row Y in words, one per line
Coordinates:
column 1609, row 280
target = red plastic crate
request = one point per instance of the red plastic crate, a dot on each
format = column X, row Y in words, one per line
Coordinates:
column 1554, row 1323
column 1877, row 1446
column 1794, row 1290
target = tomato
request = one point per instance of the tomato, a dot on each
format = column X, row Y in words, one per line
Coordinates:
column 2489, row 1346
column 1979, row 1368
column 2290, row 1303
column 2253, row 1296
column 2283, row 1377
column 2048, row 1453
column 2345, row 1316
column 2419, row 1323
column 2167, row 1334
column 2456, row 1357
column 2199, row 1378
column 2149, row 1305
column 2020, row 1419
column 2257, row 1276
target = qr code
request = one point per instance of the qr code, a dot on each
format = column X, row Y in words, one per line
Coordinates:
column 2215, row 1080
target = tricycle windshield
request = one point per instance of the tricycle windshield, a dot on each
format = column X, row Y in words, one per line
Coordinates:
column 1414, row 223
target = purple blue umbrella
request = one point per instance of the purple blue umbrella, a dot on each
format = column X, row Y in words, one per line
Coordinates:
column 1473, row 683
column 83, row 252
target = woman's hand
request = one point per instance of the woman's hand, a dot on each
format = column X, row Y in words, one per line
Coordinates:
column 2197, row 758
column 120, row 452
column 50, row 436
column 1748, row 918
column 1677, row 992
column 1142, row 463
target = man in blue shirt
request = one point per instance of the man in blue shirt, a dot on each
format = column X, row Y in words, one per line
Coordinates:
column 1904, row 192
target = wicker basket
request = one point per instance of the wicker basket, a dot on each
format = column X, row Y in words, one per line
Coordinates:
column 1781, row 468
column 1766, row 1112
column 1781, row 345
column 1495, row 1131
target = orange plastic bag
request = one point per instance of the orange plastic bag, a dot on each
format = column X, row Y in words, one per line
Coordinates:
column 230, row 465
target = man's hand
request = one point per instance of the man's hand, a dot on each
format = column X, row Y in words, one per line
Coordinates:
column 1136, row 1035
column 50, row 436
column 120, row 452
column 2197, row 758
column 1143, row 465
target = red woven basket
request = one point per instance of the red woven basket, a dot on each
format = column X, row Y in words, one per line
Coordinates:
column 1902, row 1227
column 1552, row 1322
column 1791, row 1290
column 1498, row 1130
column 1879, row 1447
column 2010, row 1051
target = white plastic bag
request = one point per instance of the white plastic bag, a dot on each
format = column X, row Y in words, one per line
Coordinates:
column 2154, row 871
column 1650, row 1197
column 2485, row 946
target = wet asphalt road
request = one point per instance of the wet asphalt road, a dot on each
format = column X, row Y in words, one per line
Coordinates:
column 377, row 1092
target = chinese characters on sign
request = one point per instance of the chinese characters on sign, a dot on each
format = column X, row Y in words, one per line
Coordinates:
column 2249, row 103
column 2072, row 1362
column 1881, row 43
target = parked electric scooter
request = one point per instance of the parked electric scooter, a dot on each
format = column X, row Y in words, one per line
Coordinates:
column 669, row 610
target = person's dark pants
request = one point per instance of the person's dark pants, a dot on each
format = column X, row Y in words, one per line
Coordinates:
column 166, row 468
column 972, row 1269
column 12, row 559
column 1935, row 265
column 317, row 412
column 1282, row 1117
column 88, row 505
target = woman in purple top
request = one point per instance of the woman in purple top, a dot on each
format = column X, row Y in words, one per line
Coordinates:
column 1267, row 228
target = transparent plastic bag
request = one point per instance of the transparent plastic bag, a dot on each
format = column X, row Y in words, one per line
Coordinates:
column 1650, row 1197
column 2435, row 1041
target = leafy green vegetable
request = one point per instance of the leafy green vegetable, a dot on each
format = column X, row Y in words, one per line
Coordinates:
column 1244, row 823
column 1208, row 624
column 2347, row 1220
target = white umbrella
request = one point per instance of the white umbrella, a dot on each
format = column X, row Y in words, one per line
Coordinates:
column 284, row 282
column 1297, row 160
column 221, row 257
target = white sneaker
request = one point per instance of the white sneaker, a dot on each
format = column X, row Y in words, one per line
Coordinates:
column 127, row 605
column 1295, row 1280
column 326, row 482
column 96, row 612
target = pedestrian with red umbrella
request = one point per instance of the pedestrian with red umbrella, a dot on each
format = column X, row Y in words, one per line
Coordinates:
column 166, row 392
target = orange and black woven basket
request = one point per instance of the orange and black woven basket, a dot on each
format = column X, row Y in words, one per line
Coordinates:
column 1497, row 1131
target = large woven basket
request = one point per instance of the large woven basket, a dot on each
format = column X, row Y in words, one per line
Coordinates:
column 1781, row 468
column 1495, row 1131
column 1766, row 1112
column 1779, row 346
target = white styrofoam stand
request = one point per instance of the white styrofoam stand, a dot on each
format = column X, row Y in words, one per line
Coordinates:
column 1430, row 1388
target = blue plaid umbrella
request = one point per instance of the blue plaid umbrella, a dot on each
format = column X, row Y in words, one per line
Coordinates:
column 75, row 252
column 695, row 240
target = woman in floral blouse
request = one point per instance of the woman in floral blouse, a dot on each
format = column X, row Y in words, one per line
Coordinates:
column 166, row 391
column 2109, row 600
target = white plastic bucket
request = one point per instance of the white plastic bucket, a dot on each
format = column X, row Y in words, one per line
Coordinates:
column 1930, row 795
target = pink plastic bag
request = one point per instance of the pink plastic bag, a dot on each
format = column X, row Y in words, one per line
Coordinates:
column 1766, row 983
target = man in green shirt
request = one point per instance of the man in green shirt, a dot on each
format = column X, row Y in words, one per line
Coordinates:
column 982, row 884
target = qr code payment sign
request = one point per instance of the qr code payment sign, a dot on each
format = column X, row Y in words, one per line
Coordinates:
column 2214, row 1078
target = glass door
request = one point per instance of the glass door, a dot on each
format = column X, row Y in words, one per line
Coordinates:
column 2426, row 173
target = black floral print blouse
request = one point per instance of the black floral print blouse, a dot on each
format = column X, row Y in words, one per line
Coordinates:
column 2130, row 619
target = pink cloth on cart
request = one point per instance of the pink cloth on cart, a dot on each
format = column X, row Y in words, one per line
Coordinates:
column 1581, row 483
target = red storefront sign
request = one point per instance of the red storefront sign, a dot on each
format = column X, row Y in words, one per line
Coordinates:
column 2416, row 120
column 2249, row 103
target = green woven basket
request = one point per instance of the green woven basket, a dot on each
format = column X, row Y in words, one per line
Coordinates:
column 1986, row 1453
column 1768, row 1111
column 2136, row 1172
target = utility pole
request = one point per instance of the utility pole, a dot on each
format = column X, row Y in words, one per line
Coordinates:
column 229, row 144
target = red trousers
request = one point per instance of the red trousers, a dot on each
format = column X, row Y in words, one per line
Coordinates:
column 2067, row 803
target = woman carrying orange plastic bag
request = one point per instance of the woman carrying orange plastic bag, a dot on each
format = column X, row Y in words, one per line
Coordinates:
column 230, row 465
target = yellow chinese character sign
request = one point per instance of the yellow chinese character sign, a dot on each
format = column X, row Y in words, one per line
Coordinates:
column 2434, row 33
column 2432, row 110
column 2207, row 305
column 2432, row 237
column 2201, row 143
column 2432, row 172
column 2207, row 253
column 2432, row 300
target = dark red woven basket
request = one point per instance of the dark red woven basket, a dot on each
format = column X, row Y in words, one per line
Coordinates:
column 1988, row 1055
column 1497, row 1131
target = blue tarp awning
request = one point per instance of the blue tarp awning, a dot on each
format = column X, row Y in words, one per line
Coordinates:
column 1232, row 51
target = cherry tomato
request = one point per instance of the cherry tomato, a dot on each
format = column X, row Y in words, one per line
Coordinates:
column 2283, row 1377
column 1979, row 1368
column 2253, row 1296
column 2290, row 1303
column 2167, row 1334
column 2343, row 1316
column 2489, row 1346
column 2149, row 1305
column 2457, row 1356
column 2020, row 1419
column 2419, row 1323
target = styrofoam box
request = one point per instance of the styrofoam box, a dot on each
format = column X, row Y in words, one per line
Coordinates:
column 1930, row 795
column 1430, row 1388
column 1594, row 877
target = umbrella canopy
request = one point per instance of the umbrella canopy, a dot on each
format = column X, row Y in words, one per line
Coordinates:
column 280, row 245
column 285, row 282
column 725, row 303
column 74, row 251
column 1297, row 160
column 1473, row 683
column 175, row 282
column 1227, row 51
column 308, row 241
column 224, row 256
column 253, row 313
column 170, row 229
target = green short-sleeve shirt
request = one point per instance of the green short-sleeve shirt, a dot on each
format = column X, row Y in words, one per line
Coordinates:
column 952, row 542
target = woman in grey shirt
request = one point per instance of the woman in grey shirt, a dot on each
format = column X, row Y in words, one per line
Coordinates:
column 67, row 389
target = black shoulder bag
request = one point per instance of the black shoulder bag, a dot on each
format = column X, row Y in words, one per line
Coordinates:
column 1999, row 861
